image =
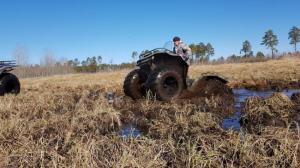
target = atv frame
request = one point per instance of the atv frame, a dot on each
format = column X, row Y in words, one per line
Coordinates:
column 164, row 74
column 9, row 83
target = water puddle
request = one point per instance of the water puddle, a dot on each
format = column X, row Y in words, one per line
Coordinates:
column 130, row 130
column 233, row 122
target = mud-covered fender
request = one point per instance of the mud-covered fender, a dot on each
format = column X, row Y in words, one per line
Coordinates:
column 201, row 82
column 214, row 76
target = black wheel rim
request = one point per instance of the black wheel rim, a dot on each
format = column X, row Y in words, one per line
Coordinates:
column 170, row 85
column 11, row 88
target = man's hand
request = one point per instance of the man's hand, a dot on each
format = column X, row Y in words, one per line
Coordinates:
column 184, row 57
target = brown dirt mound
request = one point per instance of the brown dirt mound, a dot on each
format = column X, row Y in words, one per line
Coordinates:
column 277, row 110
column 296, row 98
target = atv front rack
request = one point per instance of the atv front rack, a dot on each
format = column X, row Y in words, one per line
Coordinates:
column 6, row 66
column 146, row 56
column 147, row 53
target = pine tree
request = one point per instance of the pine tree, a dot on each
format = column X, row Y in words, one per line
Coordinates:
column 270, row 40
column 294, row 36
column 247, row 48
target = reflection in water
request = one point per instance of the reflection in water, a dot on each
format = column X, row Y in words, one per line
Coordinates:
column 130, row 131
column 240, row 96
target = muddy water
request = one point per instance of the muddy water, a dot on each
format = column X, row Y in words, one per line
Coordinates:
column 241, row 95
column 231, row 122
column 130, row 130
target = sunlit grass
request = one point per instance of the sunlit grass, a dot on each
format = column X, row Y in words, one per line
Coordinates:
column 66, row 121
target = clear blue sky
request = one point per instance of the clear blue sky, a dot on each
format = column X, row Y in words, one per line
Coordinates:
column 113, row 29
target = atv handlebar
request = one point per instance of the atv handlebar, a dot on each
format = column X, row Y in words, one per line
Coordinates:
column 156, row 50
column 8, row 63
column 6, row 66
column 161, row 50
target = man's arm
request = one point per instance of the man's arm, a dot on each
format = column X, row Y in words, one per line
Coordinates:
column 187, row 52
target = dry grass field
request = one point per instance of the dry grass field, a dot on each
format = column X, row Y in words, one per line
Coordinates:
column 67, row 121
column 276, row 74
column 284, row 72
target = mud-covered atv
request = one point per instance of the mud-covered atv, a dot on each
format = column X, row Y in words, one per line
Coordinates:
column 9, row 83
column 164, row 74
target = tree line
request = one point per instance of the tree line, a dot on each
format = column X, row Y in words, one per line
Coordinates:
column 94, row 64
column 201, row 53
column 270, row 40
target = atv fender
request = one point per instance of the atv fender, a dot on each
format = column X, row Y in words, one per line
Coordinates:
column 201, row 82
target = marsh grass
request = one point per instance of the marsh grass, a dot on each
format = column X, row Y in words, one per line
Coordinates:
column 277, row 110
column 273, row 74
column 66, row 121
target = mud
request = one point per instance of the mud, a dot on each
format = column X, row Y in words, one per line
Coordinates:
column 296, row 98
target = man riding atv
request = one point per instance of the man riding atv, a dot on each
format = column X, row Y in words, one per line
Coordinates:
column 163, row 74
column 181, row 49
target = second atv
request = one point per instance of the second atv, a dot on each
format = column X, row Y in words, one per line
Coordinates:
column 9, row 83
column 164, row 74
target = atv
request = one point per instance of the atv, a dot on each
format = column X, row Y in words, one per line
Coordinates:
column 9, row 83
column 164, row 74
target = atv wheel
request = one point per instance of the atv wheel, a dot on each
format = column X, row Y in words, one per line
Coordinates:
column 133, row 84
column 9, row 83
column 166, row 84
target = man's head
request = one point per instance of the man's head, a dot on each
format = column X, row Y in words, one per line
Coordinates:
column 176, row 40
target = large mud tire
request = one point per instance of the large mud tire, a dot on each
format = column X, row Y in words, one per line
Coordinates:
column 166, row 84
column 9, row 83
column 133, row 84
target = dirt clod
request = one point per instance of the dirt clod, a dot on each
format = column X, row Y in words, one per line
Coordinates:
column 276, row 110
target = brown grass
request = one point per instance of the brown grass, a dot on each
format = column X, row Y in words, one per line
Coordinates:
column 284, row 72
column 42, row 71
column 66, row 121
column 273, row 74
